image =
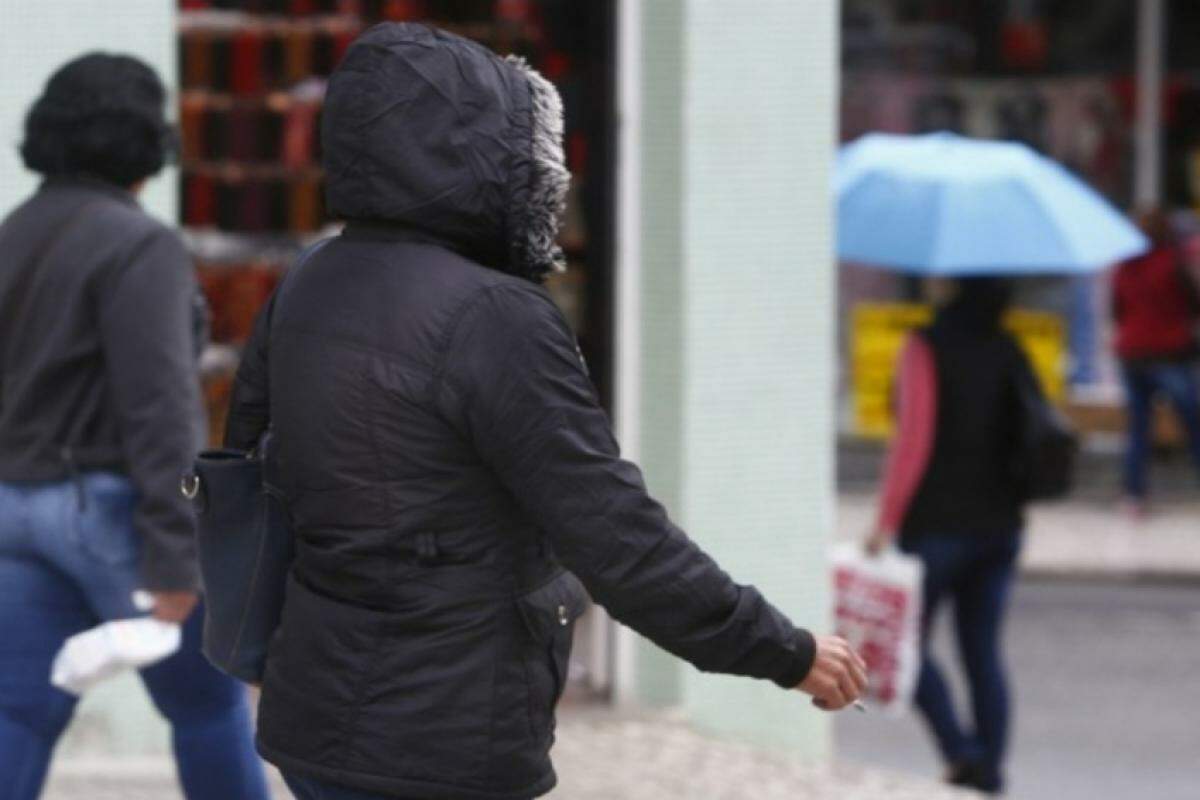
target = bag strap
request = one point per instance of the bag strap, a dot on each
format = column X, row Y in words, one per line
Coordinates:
column 13, row 306
column 303, row 258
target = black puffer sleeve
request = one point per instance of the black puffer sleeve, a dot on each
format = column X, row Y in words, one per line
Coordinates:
column 515, row 385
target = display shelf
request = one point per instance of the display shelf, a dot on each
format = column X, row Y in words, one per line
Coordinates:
column 229, row 21
column 221, row 247
column 253, row 77
column 308, row 92
column 230, row 170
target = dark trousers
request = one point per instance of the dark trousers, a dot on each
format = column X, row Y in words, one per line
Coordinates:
column 1176, row 382
column 974, row 573
column 305, row 788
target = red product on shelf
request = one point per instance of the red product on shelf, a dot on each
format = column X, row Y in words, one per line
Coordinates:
column 298, row 55
column 245, row 126
column 402, row 10
column 577, row 153
column 254, row 206
column 555, row 65
column 246, row 62
column 199, row 200
column 299, row 135
column 197, row 60
column 191, row 127
column 235, row 293
column 247, row 291
column 514, row 10
column 341, row 43
column 305, row 206
column 214, row 283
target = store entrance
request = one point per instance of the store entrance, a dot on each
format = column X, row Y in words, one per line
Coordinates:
column 252, row 78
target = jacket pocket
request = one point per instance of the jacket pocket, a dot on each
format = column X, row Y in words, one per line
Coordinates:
column 101, row 522
column 549, row 614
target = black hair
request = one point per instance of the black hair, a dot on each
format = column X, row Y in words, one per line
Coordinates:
column 983, row 299
column 100, row 115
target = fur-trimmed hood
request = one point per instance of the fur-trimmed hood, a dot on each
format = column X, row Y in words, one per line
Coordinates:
column 427, row 130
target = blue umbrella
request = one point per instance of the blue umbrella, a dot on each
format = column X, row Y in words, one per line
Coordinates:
column 941, row 204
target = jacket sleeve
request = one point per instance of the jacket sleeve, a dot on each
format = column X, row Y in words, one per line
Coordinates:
column 145, row 320
column 515, row 384
column 912, row 446
column 249, row 404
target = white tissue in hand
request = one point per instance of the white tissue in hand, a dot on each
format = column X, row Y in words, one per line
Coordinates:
column 89, row 657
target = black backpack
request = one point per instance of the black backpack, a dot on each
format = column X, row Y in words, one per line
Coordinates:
column 1044, row 458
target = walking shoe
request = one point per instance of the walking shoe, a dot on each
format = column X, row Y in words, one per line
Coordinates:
column 975, row 775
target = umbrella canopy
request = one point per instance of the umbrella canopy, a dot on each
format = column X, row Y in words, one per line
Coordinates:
column 941, row 204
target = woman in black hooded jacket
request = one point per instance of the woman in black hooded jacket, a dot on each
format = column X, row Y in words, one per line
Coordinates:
column 443, row 455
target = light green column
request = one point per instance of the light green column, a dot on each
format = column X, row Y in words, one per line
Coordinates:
column 659, row 680
column 738, row 135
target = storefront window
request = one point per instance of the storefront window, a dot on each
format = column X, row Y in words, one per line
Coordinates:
column 252, row 78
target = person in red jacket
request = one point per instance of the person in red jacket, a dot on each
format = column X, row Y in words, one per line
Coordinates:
column 1155, row 307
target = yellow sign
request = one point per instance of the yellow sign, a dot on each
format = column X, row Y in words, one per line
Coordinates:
column 879, row 333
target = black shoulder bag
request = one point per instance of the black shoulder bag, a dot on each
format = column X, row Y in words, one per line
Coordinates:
column 1044, row 461
column 245, row 549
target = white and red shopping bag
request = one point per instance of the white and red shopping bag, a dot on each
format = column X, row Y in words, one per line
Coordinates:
column 877, row 609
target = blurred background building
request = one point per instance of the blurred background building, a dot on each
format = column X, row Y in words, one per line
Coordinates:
column 1110, row 89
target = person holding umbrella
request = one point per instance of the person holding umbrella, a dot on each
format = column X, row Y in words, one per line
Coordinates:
column 951, row 499
column 954, row 489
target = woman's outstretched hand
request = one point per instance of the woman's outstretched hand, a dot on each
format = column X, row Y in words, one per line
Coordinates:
column 838, row 676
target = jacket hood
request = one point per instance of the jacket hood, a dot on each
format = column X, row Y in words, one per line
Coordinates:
column 434, row 132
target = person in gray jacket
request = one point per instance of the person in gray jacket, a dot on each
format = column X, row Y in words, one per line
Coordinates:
column 99, row 416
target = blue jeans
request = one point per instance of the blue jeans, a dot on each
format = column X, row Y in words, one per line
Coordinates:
column 1143, row 382
column 68, row 561
column 974, row 573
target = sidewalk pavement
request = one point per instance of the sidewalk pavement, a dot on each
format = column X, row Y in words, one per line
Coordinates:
column 1085, row 538
column 600, row 755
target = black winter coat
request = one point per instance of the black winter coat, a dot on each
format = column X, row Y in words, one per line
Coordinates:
column 444, row 457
